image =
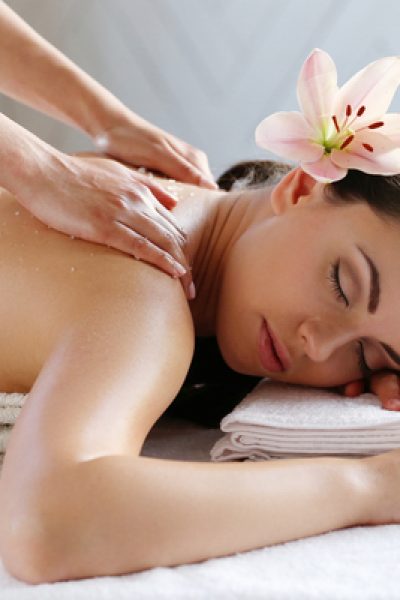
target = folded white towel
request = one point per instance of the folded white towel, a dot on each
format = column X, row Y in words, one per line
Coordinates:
column 278, row 420
column 10, row 406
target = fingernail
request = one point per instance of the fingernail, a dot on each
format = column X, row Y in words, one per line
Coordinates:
column 205, row 182
column 393, row 403
column 192, row 291
column 179, row 269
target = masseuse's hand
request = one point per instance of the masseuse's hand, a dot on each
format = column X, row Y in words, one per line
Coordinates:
column 385, row 384
column 139, row 143
column 102, row 201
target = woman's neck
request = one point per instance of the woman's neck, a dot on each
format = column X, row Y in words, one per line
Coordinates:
column 214, row 221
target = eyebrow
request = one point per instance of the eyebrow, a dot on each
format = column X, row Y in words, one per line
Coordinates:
column 373, row 301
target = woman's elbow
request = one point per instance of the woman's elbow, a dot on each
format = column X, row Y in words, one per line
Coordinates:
column 25, row 555
column 31, row 539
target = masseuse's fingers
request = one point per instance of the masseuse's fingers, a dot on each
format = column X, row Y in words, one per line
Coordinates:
column 137, row 142
column 166, row 199
column 385, row 384
column 143, row 249
column 99, row 200
column 193, row 163
column 154, row 240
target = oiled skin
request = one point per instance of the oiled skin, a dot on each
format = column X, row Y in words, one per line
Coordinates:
column 106, row 343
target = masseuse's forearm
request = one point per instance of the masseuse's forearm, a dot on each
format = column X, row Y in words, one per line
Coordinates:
column 120, row 514
column 24, row 160
column 36, row 73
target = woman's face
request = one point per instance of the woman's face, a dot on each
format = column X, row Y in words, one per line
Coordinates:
column 282, row 270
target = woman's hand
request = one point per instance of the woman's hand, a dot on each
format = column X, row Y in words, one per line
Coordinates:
column 139, row 143
column 102, row 201
column 385, row 384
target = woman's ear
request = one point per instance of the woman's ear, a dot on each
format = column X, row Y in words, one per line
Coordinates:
column 293, row 189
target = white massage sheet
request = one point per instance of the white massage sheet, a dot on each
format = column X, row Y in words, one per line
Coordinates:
column 361, row 563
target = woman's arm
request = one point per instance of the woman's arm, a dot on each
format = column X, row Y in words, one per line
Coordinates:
column 77, row 500
column 121, row 514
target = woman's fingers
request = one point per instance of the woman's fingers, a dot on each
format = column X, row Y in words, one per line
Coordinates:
column 385, row 384
column 354, row 388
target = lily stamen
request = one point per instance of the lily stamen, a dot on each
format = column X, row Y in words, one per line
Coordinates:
column 376, row 125
column 334, row 119
column 368, row 147
column 347, row 141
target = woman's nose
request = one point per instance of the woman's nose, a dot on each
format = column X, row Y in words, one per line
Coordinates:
column 319, row 338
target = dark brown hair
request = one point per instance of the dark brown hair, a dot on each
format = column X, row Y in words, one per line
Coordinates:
column 381, row 193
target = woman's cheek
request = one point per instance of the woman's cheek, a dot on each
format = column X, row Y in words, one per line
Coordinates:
column 333, row 372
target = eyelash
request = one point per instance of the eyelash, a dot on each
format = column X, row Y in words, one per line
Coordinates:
column 335, row 284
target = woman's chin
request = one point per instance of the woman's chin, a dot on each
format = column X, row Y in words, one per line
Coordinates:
column 230, row 351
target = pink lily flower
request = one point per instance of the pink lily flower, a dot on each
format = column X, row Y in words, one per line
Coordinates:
column 339, row 128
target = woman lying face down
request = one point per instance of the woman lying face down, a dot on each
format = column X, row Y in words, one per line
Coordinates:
column 104, row 342
column 298, row 258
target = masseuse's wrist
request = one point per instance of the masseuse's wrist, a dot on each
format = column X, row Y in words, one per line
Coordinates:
column 107, row 137
column 100, row 112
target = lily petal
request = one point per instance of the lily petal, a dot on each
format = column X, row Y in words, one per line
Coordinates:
column 372, row 87
column 391, row 127
column 289, row 135
column 317, row 87
column 384, row 159
column 324, row 170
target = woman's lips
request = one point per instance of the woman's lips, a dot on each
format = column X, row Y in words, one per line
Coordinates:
column 273, row 356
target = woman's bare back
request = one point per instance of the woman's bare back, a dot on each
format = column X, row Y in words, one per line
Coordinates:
column 83, row 328
column 47, row 279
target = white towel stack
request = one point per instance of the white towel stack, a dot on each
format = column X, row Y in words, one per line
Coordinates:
column 278, row 420
column 10, row 407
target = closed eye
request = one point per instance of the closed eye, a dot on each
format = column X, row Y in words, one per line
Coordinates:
column 334, row 281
